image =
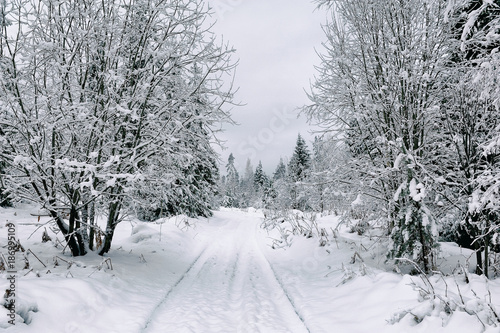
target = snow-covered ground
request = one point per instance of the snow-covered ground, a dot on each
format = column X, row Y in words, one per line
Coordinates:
column 221, row 275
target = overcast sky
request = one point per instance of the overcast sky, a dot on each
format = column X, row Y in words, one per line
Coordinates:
column 275, row 42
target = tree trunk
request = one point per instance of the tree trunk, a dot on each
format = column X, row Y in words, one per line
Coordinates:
column 113, row 215
column 76, row 229
column 425, row 250
column 479, row 263
column 321, row 199
column 71, row 240
column 486, row 254
column 91, row 225
column 108, row 237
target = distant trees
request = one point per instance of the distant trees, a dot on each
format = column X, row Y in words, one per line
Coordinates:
column 247, row 185
column 251, row 190
column 280, row 172
column 300, row 162
column 107, row 103
column 280, row 187
column 285, row 189
column 259, row 178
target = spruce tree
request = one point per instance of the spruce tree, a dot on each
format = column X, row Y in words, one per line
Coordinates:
column 279, row 193
column 247, row 192
column 258, row 178
column 414, row 235
column 470, row 118
column 300, row 162
column 280, row 172
column 232, row 184
column 298, row 169
column 263, row 187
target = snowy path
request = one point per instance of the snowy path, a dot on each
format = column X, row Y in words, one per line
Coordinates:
column 220, row 275
column 230, row 287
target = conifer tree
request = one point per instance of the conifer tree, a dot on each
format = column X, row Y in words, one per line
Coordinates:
column 279, row 192
column 232, row 184
column 247, row 191
column 259, row 177
column 298, row 169
column 263, row 187
column 470, row 119
column 300, row 162
column 280, row 172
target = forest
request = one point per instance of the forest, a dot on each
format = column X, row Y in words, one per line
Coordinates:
column 111, row 110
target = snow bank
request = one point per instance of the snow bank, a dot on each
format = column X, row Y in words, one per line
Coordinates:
column 221, row 274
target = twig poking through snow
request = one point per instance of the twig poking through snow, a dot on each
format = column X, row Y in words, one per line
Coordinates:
column 29, row 251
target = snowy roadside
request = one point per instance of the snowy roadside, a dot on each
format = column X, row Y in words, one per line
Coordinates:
column 84, row 294
column 347, row 286
column 221, row 274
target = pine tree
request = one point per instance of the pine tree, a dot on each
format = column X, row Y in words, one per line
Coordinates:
column 232, row 173
column 232, row 184
column 298, row 170
column 247, row 191
column 414, row 235
column 263, row 187
column 259, row 177
column 300, row 162
column 279, row 193
column 471, row 24
column 280, row 172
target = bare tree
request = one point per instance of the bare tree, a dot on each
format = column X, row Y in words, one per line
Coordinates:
column 376, row 91
column 94, row 94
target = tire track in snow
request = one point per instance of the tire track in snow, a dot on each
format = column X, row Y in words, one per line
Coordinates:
column 230, row 286
column 282, row 286
column 287, row 294
column 164, row 298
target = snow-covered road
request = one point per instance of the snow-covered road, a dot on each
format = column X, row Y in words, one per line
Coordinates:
column 230, row 287
column 221, row 275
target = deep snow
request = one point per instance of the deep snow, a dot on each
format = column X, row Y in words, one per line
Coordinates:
column 221, row 275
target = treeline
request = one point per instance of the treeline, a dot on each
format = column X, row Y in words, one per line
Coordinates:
column 299, row 183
